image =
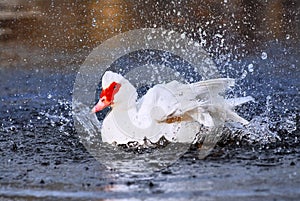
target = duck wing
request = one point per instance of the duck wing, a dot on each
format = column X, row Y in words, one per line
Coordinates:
column 201, row 101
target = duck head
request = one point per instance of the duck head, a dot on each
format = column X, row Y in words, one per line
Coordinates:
column 107, row 97
column 111, row 84
column 117, row 92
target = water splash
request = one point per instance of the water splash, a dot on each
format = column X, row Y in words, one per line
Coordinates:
column 264, row 55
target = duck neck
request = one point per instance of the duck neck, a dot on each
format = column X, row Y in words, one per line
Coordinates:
column 126, row 97
column 125, row 108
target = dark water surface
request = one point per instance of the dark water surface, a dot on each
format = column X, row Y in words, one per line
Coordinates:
column 41, row 157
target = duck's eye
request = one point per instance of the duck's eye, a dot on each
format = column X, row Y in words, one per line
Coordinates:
column 115, row 87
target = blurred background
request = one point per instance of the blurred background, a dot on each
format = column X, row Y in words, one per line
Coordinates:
column 236, row 26
column 43, row 44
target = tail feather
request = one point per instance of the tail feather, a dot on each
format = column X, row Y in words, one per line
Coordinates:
column 215, row 86
column 239, row 101
column 231, row 115
column 203, row 101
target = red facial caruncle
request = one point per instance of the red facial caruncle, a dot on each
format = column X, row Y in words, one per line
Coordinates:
column 107, row 97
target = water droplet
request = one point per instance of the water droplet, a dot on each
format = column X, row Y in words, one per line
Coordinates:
column 250, row 68
column 264, row 55
column 243, row 75
column 182, row 35
column 218, row 36
column 94, row 22
column 287, row 36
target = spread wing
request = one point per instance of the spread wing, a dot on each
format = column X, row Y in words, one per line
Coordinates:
column 201, row 101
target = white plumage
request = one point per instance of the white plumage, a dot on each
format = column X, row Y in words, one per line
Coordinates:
column 173, row 110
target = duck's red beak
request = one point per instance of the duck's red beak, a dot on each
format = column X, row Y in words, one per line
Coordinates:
column 102, row 103
column 107, row 97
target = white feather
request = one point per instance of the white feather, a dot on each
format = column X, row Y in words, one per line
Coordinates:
column 156, row 114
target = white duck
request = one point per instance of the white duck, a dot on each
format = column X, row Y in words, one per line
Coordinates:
column 173, row 110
